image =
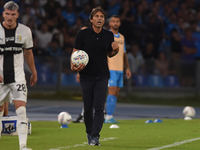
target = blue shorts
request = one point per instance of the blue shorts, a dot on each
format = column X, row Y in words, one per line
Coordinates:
column 116, row 78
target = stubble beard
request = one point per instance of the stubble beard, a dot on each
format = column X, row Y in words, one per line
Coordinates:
column 115, row 28
column 8, row 24
column 96, row 26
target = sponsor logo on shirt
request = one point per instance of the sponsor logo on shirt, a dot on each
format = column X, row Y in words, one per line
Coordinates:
column 11, row 49
column 10, row 38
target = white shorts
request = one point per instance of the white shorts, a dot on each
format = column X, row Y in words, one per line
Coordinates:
column 13, row 91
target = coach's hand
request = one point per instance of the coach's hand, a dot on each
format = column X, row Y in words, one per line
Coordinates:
column 1, row 79
column 77, row 68
column 33, row 79
column 115, row 47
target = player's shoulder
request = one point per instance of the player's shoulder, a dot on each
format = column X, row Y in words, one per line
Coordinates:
column 121, row 35
column 1, row 27
column 23, row 28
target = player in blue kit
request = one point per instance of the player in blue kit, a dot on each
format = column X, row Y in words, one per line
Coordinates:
column 116, row 67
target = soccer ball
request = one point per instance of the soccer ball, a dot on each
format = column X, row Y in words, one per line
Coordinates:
column 189, row 111
column 64, row 118
column 80, row 57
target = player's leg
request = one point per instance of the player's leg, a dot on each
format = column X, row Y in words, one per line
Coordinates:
column 19, row 97
column 22, row 124
column 113, row 91
column 5, row 109
column 80, row 118
column 111, row 104
column 4, row 97
column 1, row 114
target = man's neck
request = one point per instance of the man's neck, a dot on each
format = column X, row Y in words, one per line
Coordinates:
column 114, row 31
column 9, row 27
column 96, row 29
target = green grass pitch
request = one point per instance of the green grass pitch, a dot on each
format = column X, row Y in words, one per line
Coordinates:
column 131, row 134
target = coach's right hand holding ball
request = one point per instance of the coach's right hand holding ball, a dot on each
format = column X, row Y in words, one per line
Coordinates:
column 115, row 50
column 73, row 65
column 77, row 68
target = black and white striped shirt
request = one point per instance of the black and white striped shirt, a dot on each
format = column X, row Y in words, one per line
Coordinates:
column 12, row 44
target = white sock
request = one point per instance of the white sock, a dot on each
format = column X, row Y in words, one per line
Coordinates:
column 108, row 117
column 1, row 114
column 22, row 126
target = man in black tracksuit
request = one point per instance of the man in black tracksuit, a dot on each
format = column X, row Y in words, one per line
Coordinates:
column 98, row 43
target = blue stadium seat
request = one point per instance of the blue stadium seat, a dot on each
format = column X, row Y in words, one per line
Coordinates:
column 44, row 74
column 155, row 81
column 171, row 81
column 66, row 79
column 140, row 80
column 54, row 78
column 72, row 79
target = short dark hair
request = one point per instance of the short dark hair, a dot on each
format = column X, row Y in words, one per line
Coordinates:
column 114, row 16
column 11, row 6
column 95, row 10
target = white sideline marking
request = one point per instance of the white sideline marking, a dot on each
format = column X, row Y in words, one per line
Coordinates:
column 84, row 144
column 175, row 144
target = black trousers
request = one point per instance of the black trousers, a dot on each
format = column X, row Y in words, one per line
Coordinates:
column 94, row 91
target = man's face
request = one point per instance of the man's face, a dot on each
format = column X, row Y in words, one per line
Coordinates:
column 10, row 17
column 115, row 23
column 98, row 20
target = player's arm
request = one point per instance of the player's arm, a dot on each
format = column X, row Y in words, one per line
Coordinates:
column 128, row 72
column 28, row 54
column 73, row 66
column 115, row 50
column 5, row 109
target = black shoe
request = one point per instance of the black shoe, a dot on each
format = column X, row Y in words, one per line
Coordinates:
column 95, row 141
column 89, row 139
column 80, row 119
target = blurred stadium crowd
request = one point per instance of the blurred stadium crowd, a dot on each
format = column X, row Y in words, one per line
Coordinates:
column 162, row 36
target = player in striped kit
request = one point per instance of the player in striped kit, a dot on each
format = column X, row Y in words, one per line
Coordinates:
column 15, row 44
